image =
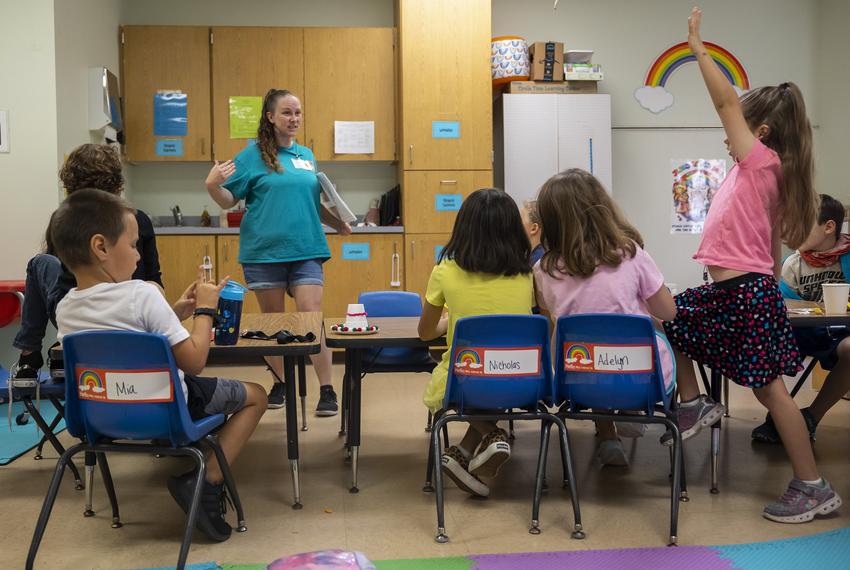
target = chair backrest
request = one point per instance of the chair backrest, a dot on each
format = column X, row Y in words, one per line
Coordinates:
column 608, row 361
column 499, row 362
column 123, row 385
column 391, row 303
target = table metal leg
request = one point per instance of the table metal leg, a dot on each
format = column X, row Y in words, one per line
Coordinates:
column 726, row 396
column 346, row 392
column 292, row 428
column 302, row 390
column 354, row 422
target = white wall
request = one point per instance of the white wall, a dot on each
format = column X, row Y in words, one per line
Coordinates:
column 833, row 98
column 156, row 187
column 774, row 39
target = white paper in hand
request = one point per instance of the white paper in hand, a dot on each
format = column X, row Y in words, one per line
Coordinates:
column 329, row 190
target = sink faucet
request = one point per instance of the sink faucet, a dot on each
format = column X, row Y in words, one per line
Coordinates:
column 178, row 216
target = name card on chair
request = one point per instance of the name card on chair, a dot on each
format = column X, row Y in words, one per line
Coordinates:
column 610, row 358
column 127, row 386
column 497, row 361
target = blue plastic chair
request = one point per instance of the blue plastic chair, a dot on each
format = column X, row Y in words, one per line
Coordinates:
column 478, row 390
column 611, row 362
column 93, row 415
column 381, row 360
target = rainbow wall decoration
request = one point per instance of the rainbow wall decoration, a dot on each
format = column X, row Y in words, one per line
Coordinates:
column 654, row 96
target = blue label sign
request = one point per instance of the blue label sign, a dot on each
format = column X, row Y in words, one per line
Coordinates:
column 438, row 249
column 355, row 251
column 448, row 202
column 169, row 147
column 445, row 129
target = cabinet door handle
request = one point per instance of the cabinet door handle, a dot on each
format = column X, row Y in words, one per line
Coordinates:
column 410, row 155
column 203, row 147
column 448, row 182
column 226, row 248
column 412, row 250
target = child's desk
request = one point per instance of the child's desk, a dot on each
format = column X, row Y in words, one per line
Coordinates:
column 251, row 350
column 395, row 332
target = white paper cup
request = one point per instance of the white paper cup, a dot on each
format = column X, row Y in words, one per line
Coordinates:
column 835, row 298
column 355, row 309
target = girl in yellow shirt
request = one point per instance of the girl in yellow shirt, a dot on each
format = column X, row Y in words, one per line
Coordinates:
column 483, row 270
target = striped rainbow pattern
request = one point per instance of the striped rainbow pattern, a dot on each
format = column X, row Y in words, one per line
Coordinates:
column 680, row 54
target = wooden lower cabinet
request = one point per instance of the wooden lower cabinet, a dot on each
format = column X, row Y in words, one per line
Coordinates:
column 421, row 253
column 179, row 258
column 358, row 263
column 227, row 263
column 431, row 198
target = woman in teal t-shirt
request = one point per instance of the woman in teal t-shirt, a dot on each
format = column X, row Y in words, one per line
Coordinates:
column 281, row 241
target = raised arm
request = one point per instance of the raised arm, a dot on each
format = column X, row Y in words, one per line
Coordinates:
column 722, row 94
column 220, row 172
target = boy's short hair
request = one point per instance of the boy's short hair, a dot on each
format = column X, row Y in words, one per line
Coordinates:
column 831, row 209
column 93, row 166
column 82, row 215
column 530, row 207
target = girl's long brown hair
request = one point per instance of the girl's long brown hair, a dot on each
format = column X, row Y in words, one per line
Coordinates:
column 266, row 141
column 783, row 110
column 582, row 226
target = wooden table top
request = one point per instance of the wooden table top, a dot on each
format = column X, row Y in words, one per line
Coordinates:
column 392, row 332
column 270, row 323
column 802, row 314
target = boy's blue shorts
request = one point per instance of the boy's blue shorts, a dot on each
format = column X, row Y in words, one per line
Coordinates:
column 821, row 343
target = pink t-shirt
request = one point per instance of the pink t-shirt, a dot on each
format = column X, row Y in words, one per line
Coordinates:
column 623, row 290
column 738, row 231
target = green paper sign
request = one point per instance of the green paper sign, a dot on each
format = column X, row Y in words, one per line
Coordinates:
column 244, row 116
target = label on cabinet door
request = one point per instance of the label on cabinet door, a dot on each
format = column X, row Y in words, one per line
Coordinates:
column 355, row 251
column 448, row 202
column 445, row 129
column 169, row 147
column 438, row 249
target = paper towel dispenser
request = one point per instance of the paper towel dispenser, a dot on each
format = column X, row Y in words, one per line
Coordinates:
column 105, row 104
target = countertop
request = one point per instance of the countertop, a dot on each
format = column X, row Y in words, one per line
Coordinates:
column 197, row 230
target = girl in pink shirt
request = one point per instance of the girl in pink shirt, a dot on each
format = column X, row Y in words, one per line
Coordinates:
column 738, row 324
column 595, row 263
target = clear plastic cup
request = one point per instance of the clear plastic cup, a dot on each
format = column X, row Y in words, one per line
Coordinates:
column 835, row 298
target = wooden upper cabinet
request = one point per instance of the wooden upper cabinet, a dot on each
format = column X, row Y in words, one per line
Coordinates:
column 166, row 58
column 445, row 78
column 349, row 75
column 248, row 61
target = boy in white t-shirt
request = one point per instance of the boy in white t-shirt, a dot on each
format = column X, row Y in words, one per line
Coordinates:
column 94, row 234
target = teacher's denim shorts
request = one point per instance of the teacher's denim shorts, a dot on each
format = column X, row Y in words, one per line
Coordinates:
column 283, row 275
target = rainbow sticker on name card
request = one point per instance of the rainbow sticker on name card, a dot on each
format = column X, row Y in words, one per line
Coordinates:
column 579, row 356
column 91, row 386
column 653, row 95
column 468, row 358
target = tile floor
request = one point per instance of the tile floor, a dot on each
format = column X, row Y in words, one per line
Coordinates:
column 392, row 518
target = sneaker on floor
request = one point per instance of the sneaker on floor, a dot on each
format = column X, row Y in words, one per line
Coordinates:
column 493, row 451
column 611, row 452
column 277, row 396
column 456, row 467
column 767, row 432
column 327, row 402
column 630, row 429
column 692, row 418
column 210, row 518
column 802, row 501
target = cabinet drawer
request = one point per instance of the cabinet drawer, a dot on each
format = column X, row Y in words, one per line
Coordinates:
column 430, row 199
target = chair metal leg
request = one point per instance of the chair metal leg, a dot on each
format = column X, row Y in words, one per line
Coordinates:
column 441, row 536
column 91, row 459
column 578, row 532
column 429, row 470
column 201, row 464
column 110, row 489
column 716, row 388
column 212, row 441
column 511, row 435
column 429, row 422
column 49, row 500
column 538, row 483
column 726, row 396
column 676, row 484
column 302, row 391
column 446, row 436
